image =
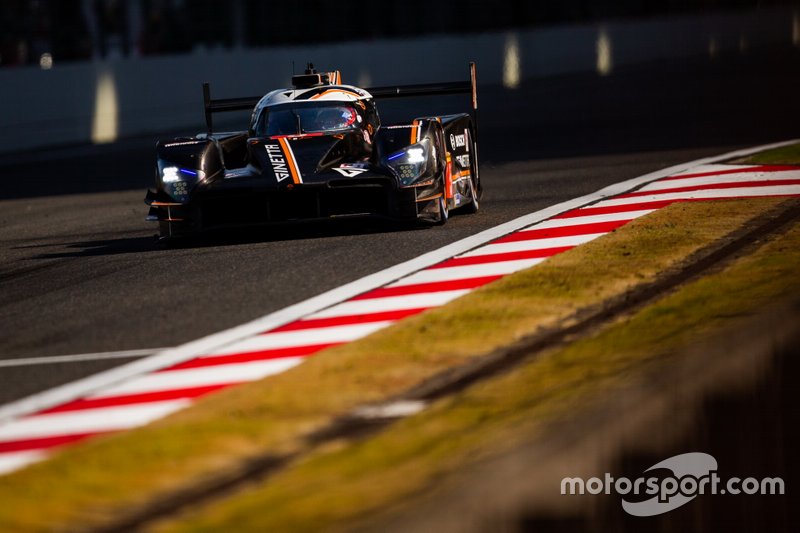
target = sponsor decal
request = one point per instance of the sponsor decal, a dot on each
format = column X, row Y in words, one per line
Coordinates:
column 463, row 160
column 278, row 161
column 237, row 173
column 350, row 172
column 458, row 141
column 182, row 143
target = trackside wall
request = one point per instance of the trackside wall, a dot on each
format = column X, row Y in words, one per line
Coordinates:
column 102, row 101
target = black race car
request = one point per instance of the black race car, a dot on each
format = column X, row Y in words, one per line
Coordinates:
column 318, row 150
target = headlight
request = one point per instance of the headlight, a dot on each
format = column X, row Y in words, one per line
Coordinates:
column 411, row 163
column 172, row 174
column 178, row 181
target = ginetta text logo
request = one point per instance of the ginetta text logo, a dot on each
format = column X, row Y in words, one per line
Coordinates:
column 278, row 161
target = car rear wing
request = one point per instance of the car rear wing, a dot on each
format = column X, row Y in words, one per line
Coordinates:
column 246, row 103
column 431, row 89
column 469, row 86
column 221, row 105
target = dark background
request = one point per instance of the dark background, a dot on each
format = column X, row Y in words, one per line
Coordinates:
column 73, row 30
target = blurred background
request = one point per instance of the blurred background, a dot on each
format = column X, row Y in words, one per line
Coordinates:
column 96, row 71
column 46, row 32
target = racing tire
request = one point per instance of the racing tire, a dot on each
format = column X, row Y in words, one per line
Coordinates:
column 474, row 187
column 474, row 203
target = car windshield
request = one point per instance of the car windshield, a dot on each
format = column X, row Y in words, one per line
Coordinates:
column 309, row 118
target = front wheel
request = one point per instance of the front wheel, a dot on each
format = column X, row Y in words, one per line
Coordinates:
column 474, row 185
column 444, row 212
column 474, row 203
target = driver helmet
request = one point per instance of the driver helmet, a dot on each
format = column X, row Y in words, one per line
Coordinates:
column 334, row 118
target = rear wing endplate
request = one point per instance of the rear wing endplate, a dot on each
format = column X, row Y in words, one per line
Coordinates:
column 395, row 91
column 221, row 105
column 431, row 89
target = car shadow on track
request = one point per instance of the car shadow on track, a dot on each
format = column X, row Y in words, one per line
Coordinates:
column 98, row 247
column 231, row 237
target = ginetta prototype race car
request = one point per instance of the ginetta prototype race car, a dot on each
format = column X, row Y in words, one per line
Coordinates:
column 318, row 150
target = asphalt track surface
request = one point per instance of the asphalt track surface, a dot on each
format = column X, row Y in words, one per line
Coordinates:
column 80, row 272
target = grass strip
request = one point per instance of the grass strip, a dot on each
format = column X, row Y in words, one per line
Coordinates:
column 90, row 484
column 786, row 155
column 335, row 489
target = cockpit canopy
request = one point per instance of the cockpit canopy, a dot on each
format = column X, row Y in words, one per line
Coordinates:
column 307, row 117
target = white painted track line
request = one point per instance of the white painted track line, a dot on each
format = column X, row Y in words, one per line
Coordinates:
column 305, row 337
column 724, row 178
column 391, row 303
column 88, row 420
column 53, row 359
column 533, row 244
column 710, row 167
column 469, row 271
column 16, row 460
column 200, row 377
column 706, row 194
column 592, row 219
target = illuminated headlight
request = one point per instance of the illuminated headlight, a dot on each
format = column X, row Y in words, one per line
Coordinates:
column 171, row 174
column 410, row 163
column 178, row 181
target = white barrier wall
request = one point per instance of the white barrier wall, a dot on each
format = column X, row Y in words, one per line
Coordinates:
column 101, row 101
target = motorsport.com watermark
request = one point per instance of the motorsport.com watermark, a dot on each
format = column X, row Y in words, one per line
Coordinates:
column 692, row 474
